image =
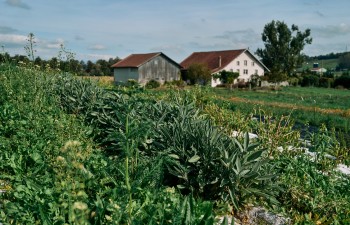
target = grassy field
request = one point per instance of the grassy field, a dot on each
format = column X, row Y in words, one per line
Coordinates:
column 325, row 63
column 312, row 106
column 327, row 100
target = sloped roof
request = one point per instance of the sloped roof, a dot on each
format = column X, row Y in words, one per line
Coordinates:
column 137, row 60
column 212, row 59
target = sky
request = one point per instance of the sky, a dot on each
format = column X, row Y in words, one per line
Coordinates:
column 103, row 29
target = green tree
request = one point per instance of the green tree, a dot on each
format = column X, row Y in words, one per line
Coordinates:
column 198, row 73
column 344, row 61
column 89, row 66
column 283, row 46
column 227, row 77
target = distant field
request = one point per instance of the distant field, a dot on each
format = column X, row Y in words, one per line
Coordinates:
column 314, row 106
column 297, row 97
column 325, row 63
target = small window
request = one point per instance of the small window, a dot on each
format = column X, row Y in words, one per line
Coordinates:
column 237, row 70
column 245, row 71
column 256, row 71
column 237, row 63
column 253, row 63
column 245, row 62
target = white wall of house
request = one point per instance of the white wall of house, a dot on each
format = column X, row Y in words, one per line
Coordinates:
column 215, row 82
column 245, row 65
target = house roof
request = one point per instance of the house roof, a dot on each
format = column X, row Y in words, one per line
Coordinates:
column 137, row 60
column 212, row 59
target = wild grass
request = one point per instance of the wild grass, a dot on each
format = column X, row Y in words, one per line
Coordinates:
column 103, row 81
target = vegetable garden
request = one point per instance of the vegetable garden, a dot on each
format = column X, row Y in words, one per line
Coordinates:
column 73, row 152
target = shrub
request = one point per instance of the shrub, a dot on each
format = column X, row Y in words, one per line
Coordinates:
column 152, row 84
column 326, row 82
column 132, row 83
column 294, row 81
column 310, row 80
column 343, row 80
column 241, row 84
column 203, row 159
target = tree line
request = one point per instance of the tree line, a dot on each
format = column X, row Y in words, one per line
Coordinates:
column 82, row 68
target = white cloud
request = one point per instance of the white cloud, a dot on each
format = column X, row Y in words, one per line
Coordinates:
column 51, row 44
column 331, row 30
column 17, row 3
column 97, row 47
column 13, row 40
column 94, row 57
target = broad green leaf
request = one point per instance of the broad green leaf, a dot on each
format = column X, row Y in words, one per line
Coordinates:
column 266, row 177
column 238, row 165
column 174, row 156
column 72, row 99
column 254, row 156
column 194, row 159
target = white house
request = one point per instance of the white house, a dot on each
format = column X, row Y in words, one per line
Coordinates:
column 241, row 61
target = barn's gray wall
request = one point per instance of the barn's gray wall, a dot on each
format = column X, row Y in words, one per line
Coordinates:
column 159, row 69
column 124, row 74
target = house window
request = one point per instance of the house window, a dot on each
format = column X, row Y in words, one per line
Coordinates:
column 237, row 63
column 245, row 62
column 237, row 70
column 256, row 71
column 253, row 63
column 245, row 71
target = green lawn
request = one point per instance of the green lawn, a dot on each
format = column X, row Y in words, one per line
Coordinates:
column 299, row 96
column 313, row 106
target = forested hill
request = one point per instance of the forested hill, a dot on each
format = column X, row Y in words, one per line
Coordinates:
column 327, row 56
column 331, row 61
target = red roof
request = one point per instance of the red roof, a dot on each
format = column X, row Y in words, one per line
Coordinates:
column 212, row 59
column 136, row 60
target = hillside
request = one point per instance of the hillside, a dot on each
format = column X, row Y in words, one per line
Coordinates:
column 328, row 61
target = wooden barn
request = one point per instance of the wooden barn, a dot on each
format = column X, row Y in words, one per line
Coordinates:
column 145, row 67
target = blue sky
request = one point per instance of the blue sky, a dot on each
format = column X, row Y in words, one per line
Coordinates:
column 95, row 29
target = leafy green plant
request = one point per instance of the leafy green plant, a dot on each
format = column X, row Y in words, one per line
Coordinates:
column 246, row 174
column 203, row 159
column 152, row 84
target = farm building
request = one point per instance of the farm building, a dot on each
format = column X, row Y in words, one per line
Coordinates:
column 145, row 67
column 241, row 61
column 318, row 70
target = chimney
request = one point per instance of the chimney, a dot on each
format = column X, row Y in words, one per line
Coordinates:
column 219, row 61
